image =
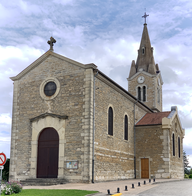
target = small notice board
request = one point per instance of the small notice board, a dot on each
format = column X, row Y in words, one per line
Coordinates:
column 72, row 164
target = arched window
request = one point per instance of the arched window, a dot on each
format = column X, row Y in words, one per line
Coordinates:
column 110, row 121
column 144, row 93
column 126, row 128
column 173, row 138
column 179, row 152
column 139, row 93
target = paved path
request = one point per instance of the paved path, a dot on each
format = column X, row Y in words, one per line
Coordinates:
column 102, row 187
column 182, row 188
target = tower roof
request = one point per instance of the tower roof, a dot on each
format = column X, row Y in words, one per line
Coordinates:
column 145, row 59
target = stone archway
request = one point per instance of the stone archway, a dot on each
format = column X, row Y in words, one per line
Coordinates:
column 39, row 123
column 48, row 153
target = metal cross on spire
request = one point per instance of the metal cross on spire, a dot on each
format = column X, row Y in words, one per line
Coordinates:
column 145, row 16
column 52, row 40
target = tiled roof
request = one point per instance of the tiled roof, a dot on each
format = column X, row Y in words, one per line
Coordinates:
column 153, row 118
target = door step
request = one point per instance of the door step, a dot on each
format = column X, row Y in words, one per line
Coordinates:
column 43, row 181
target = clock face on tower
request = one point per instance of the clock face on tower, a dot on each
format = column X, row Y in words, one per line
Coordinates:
column 140, row 79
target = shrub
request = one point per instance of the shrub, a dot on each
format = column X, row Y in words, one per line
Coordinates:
column 190, row 175
column 186, row 176
column 16, row 186
column 12, row 187
column 6, row 189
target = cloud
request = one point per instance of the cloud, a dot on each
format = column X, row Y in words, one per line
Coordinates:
column 5, row 134
column 12, row 61
column 187, row 139
column 64, row 2
column 5, row 119
column 5, row 144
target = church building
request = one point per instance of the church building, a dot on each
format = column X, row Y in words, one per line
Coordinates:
column 72, row 123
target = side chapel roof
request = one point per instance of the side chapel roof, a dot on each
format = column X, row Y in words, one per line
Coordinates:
column 153, row 118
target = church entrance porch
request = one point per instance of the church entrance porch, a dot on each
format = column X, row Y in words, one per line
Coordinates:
column 39, row 124
column 48, row 153
column 144, row 168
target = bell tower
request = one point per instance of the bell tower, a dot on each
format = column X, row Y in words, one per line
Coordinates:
column 145, row 81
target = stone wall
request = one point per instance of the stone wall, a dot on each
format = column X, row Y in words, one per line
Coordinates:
column 152, row 142
column 151, row 84
column 114, row 156
column 176, row 162
column 73, row 100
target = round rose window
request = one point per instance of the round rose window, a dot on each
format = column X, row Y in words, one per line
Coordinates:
column 50, row 89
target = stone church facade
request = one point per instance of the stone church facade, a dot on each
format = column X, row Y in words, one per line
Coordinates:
column 72, row 122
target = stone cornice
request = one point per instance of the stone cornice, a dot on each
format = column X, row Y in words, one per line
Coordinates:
column 148, row 74
column 90, row 65
column 48, row 114
column 46, row 55
column 148, row 126
column 143, row 72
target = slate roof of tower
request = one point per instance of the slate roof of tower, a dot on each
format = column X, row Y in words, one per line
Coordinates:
column 153, row 118
column 145, row 61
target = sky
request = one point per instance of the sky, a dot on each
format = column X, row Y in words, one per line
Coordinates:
column 106, row 33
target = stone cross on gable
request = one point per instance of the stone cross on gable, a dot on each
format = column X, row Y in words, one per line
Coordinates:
column 145, row 16
column 50, row 42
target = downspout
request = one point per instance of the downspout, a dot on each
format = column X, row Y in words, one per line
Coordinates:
column 134, row 143
column 93, row 150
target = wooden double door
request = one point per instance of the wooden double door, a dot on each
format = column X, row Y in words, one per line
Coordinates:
column 144, row 168
column 48, row 154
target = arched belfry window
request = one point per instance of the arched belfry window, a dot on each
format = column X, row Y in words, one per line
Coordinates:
column 110, row 121
column 179, row 148
column 139, row 93
column 173, row 142
column 144, row 93
column 126, row 128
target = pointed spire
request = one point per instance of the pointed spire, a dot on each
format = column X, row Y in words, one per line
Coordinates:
column 132, row 70
column 145, row 54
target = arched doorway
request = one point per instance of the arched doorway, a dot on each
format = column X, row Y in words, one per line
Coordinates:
column 48, row 151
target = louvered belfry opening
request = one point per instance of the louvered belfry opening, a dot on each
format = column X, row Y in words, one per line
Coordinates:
column 48, row 153
column 144, row 93
column 139, row 93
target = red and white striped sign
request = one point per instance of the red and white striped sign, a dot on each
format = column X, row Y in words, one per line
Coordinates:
column 2, row 159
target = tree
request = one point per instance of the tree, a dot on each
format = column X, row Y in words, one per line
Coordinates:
column 5, row 172
column 186, row 163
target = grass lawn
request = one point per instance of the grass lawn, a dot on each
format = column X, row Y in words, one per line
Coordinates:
column 47, row 192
